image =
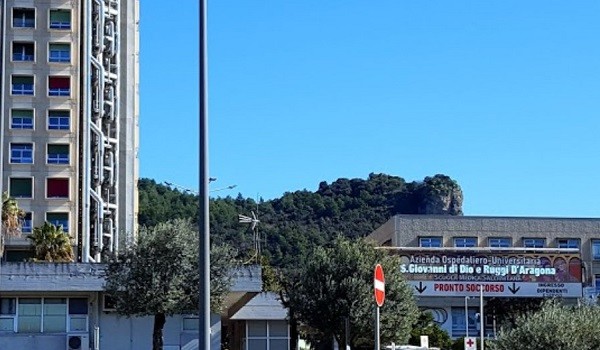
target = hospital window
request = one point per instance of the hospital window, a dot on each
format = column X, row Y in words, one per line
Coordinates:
column 21, row 119
column 59, row 86
column 26, row 223
column 23, row 17
column 267, row 335
column 23, row 51
column 59, row 219
column 458, row 322
column 500, row 242
column 465, row 242
column 60, row 19
column 20, row 187
column 534, row 242
column 43, row 315
column 568, row 243
column 57, row 187
column 596, row 249
column 430, row 242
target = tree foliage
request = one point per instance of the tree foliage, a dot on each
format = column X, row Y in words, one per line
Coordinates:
column 51, row 244
column 555, row 326
column 11, row 219
column 159, row 275
column 299, row 221
column 335, row 283
column 425, row 325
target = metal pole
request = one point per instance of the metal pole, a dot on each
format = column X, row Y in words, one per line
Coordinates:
column 466, row 318
column 204, row 229
column 482, row 326
column 377, row 346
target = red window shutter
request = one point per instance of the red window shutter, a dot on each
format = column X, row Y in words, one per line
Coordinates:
column 59, row 83
column 57, row 188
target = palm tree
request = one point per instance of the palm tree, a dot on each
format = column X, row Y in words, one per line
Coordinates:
column 51, row 244
column 11, row 219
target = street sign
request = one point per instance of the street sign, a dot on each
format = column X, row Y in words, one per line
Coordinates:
column 470, row 343
column 379, row 284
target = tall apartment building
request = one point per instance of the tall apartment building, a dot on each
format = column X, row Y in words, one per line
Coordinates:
column 69, row 112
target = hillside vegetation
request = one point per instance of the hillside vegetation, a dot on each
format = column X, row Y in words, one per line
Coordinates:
column 299, row 220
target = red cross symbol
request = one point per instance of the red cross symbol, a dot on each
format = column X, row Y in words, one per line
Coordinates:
column 470, row 342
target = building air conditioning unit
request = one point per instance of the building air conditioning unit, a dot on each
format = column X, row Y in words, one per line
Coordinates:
column 78, row 342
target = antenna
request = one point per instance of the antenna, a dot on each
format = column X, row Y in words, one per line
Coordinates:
column 253, row 221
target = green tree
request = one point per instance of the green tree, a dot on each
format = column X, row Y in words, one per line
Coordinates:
column 11, row 219
column 158, row 276
column 555, row 326
column 51, row 244
column 425, row 325
column 335, row 283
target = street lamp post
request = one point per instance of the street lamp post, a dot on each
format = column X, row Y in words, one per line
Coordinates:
column 482, row 325
column 466, row 317
column 204, row 226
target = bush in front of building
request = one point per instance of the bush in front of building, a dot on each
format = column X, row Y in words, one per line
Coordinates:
column 425, row 325
column 555, row 326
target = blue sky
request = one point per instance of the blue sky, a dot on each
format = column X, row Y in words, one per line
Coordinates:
column 503, row 96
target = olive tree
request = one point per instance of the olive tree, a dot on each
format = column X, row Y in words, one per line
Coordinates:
column 159, row 276
column 555, row 326
column 335, row 283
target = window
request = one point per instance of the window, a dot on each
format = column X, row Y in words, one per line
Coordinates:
column 465, row 242
column 60, row 53
column 55, row 315
column 58, row 154
column 534, row 242
column 58, row 120
column 26, row 224
column 568, row 243
column 23, row 18
column 596, row 284
column 23, row 52
column 57, row 188
column 21, row 187
column 8, row 312
column 60, row 19
column 59, row 219
column 59, row 86
column 22, row 85
column 21, row 119
column 596, row 249
column 29, row 318
column 430, row 242
column 78, row 313
column 43, row 315
column 267, row 335
column 500, row 242
column 458, row 322
column 21, row 153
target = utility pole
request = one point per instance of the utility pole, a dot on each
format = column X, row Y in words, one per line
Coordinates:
column 204, row 229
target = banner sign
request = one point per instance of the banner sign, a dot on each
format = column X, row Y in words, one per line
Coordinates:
column 510, row 274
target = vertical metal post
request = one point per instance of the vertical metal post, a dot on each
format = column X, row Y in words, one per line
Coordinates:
column 466, row 318
column 482, row 326
column 377, row 346
column 204, row 229
column 347, row 331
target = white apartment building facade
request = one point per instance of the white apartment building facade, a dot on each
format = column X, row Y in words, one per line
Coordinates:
column 69, row 112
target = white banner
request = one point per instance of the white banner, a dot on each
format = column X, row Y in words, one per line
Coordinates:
column 497, row 289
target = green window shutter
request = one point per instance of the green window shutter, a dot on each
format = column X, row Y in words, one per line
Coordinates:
column 20, row 187
column 58, row 149
column 22, row 80
column 57, row 216
column 60, row 47
column 22, row 113
column 60, row 16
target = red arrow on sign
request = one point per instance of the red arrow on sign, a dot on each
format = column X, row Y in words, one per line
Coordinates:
column 379, row 284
